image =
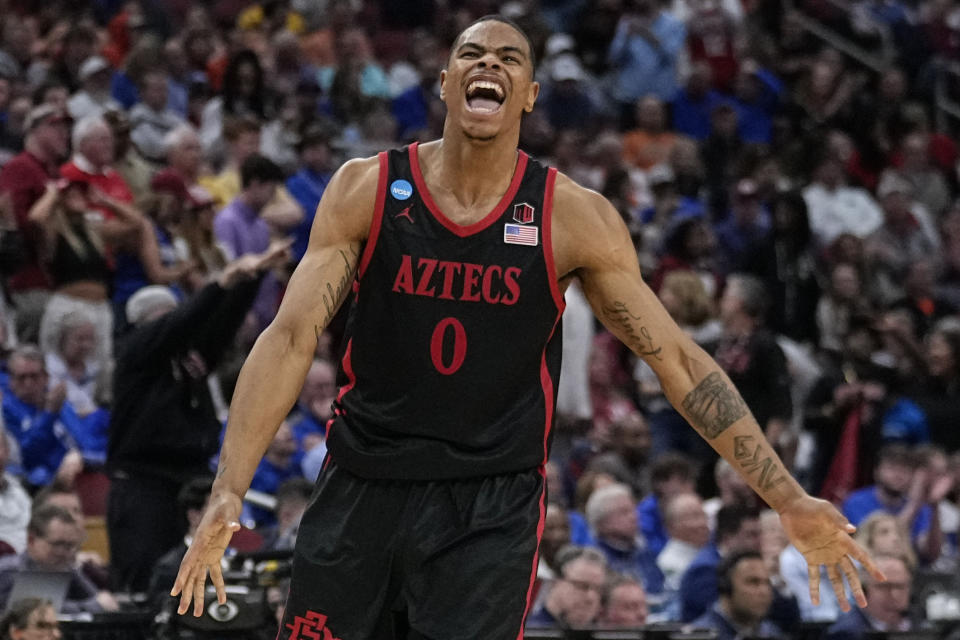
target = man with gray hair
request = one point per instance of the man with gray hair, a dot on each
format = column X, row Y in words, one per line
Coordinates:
column 575, row 597
column 750, row 355
column 150, row 119
column 184, row 153
column 163, row 428
column 612, row 515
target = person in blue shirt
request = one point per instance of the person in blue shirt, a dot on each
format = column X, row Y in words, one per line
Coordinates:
column 40, row 420
column 314, row 405
column 644, row 53
column 893, row 477
column 745, row 599
column 574, row 598
column 747, row 227
column 671, row 475
column 757, row 93
column 611, row 512
column 692, row 105
column 307, row 185
column 280, row 463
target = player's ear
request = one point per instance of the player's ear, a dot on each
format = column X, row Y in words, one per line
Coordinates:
column 532, row 94
column 443, row 83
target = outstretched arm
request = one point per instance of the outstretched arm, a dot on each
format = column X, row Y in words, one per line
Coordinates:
column 606, row 263
column 274, row 372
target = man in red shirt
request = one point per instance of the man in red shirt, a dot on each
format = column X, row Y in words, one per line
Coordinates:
column 24, row 180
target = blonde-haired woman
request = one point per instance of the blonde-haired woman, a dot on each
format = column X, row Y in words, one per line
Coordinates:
column 76, row 258
column 882, row 534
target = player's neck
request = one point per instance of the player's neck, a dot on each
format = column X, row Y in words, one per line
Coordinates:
column 471, row 170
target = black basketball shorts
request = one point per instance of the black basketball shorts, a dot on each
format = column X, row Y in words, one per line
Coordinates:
column 398, row 560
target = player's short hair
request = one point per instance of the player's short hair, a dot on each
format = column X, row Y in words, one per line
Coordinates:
column 496, row 17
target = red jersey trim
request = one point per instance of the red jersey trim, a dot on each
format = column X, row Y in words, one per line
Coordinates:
column 546, row 383
column 536, row 554
column 548, row 241
column 348, row 370
column 489, row 219
column 377, row 216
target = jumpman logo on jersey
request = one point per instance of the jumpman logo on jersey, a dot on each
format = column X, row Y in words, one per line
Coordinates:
column 405, row 214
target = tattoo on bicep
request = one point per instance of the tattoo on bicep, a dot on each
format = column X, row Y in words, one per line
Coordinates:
column 335, row 292
column 770, row 475
column 713, row 406
column 637, row 338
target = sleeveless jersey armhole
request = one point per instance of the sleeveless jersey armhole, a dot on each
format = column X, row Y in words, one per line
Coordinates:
column 548, row 241
column 375, row 224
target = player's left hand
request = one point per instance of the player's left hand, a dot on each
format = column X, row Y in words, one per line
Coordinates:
column 822, row 535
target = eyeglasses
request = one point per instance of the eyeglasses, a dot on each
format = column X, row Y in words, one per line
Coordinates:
column 29, row 375
column 63, row 545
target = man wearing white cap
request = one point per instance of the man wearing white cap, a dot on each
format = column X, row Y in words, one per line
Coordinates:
column 94, row 97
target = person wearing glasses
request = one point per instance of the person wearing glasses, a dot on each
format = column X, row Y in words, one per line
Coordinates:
column 30, row 619
column 575, row 597
column 53, row 540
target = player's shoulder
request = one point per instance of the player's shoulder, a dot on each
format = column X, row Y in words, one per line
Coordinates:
column 357, row 174
column 583, row 213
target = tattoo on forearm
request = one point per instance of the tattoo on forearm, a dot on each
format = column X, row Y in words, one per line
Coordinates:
column 713, row 406
column 637, row 338
column 770, row 475
column 222, row 466
column 334, row 294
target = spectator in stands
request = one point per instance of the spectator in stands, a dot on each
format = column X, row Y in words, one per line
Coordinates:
column 244, row 95
column 242, row 230
column 757, row 98
column 24, row 179
column 40, row 420
column 689, row 246
column 893, row 476
column 625, row 604
column 574, row 598
column 651, row 143
column 151, row 119
column 309, row 182
column 53, row 539
column 750, row 355
column 184, row 153
column 129, row 162
column 742, row 609
column 280, row 463
column 77, row 258
column 90, row 563
column 314, row 405
column 836, row 208
column 938, row 392
column 928, row 184
column 627, row 459
column 14, row 502
column 693, row 105
column 712, row 37
column 732, row 490
column 292, row 496
column 787, row 265
column 672, row 474
column 163, row 428
column 688, row 532
column 74, row 364
column 568, row 98
column 839, row 306
column 887, row 607
column 241, row 137
column 644, row 54
column 94, row 97
column 556, row 535
column 738, row 529
column 612, row 514
column 28, row 619
column 883, row 534
column 922, row 300
column 906, row 235
column 747, row 227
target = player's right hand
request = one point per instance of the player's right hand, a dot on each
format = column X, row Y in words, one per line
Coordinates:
column 220, row 521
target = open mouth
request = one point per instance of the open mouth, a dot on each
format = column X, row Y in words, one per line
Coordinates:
column 484, row 96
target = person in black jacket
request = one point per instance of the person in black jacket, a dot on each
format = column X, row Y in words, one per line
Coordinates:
column 163, row 429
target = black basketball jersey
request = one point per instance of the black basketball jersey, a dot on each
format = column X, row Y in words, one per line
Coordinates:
column 452, row 346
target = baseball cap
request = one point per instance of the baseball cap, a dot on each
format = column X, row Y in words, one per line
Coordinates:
column 45, row 113
column 169, row 181
column 91, row 66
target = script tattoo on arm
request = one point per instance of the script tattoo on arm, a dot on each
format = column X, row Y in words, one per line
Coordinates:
column 638, row 339
column 334, row 293
column 713, row 406
column 770, row 475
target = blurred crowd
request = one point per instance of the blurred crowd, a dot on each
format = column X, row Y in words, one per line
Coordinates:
column 795, row 211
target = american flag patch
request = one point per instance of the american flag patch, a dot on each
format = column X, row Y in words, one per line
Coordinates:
column 519, row 234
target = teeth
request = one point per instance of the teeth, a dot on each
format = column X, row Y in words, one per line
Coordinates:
column 484, row 84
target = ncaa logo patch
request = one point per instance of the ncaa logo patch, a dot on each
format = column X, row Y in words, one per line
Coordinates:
column 523, row 213
column 401, row 189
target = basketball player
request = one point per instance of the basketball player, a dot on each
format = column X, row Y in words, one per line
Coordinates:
column 456, row 253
